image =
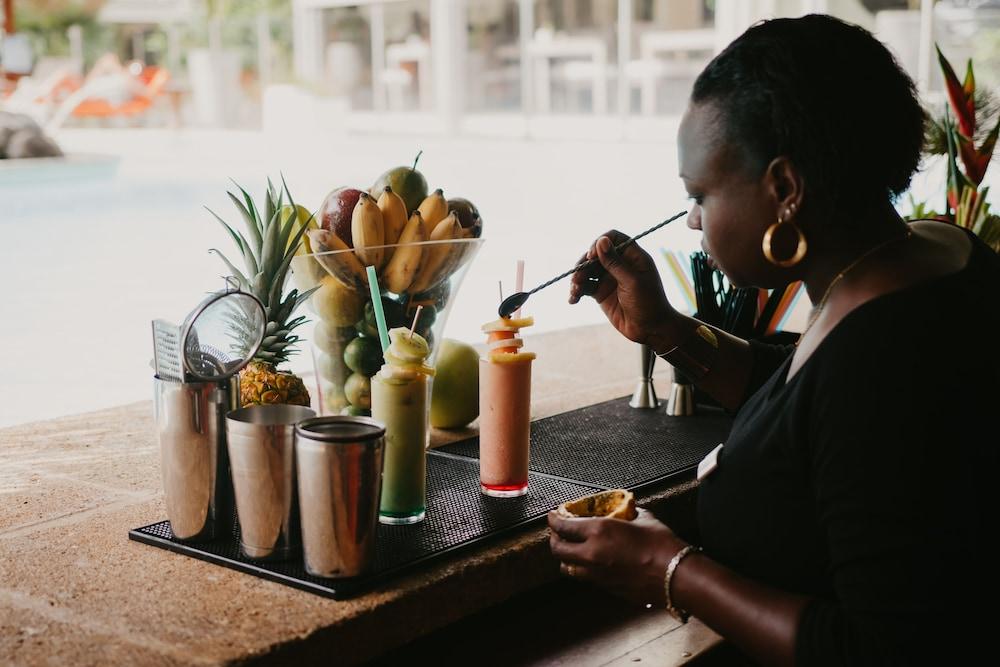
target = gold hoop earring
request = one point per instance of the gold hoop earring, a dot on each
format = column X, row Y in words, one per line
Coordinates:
column 800, row 249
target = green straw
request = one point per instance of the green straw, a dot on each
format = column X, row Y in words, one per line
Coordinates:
column 383, row 332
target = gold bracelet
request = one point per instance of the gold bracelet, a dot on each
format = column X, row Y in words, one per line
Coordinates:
column 677, row 613
column 696, row 356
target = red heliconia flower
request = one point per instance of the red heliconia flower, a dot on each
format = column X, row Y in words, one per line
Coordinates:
column 960, row 94
column 977, row 160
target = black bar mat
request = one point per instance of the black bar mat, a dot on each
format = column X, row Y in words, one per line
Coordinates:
column 458, row 516
column 614, row 446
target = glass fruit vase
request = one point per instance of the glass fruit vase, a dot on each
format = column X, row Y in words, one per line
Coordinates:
column 345, row 343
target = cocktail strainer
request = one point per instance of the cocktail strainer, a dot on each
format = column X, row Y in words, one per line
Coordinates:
column 216, row 340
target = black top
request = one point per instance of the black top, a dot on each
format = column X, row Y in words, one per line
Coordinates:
column 869, row 480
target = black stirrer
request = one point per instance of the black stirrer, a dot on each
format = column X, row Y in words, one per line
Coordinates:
column 516, row 300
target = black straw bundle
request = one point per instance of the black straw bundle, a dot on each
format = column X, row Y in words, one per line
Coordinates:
column 719, row 303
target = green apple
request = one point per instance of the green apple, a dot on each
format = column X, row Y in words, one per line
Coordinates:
column 455, row 391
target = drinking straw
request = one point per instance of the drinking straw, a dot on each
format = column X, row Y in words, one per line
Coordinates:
column 785, row 307
column 762, row 297
column 416, row 316
column 383, row 332
column 768, row 311
column 705, row 292
column 518, row 282
column 681, row 277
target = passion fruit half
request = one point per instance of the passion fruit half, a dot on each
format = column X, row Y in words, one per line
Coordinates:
column 616, row 504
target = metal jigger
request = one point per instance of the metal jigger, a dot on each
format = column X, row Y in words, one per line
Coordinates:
column 681, row 401
column 644, row 396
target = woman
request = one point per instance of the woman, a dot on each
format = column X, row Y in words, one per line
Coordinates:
column 847, row 517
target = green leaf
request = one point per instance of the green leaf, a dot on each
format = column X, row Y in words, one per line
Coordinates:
column 236, row 272
column 245, row 251
column 250, row 221
column 270, row 255
column 302, row 298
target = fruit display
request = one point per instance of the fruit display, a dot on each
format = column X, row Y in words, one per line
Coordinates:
column 419, row 245
column 273, row 240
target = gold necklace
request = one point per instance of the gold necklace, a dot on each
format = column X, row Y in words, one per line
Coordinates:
column 826, row 295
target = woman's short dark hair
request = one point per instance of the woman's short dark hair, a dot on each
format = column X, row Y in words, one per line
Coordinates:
column 829, row 96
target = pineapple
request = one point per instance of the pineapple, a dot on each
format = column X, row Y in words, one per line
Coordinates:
column 267, row 253
column 261, row 383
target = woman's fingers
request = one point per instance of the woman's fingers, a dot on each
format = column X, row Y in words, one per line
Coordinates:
column 574, row 529
column 577, row 288
column 593, row 280
column 580, row 572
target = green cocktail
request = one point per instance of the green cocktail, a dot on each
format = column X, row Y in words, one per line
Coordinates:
column 399, row 401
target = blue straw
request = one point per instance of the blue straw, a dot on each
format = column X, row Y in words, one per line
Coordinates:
column 383, row 332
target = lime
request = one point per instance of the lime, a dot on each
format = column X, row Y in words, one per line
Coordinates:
column 367, row 329
column 436, row 296
column 395, row 316
column 355, row 411
column 358, row 390
column 331, row 367
column 363, row 355
column 336, row 304
column 455, row 392
column 428, row 314
column 333, row 396
column 332, row 339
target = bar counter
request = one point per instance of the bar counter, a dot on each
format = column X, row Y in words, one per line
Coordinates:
column 75, row 590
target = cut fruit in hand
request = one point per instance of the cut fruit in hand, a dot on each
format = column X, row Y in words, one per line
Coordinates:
column 615, row 504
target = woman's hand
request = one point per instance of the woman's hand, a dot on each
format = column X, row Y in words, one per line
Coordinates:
column 629, row 558
column 628, row 288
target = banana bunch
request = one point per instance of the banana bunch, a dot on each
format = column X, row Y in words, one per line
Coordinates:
column 409, row 250
column 344, row 266
column 367, row 230
column 434, row 209
column 394, row 220
column 434, row 267
column 405, row 261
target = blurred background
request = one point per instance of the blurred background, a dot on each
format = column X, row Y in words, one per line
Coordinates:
column 556, row 117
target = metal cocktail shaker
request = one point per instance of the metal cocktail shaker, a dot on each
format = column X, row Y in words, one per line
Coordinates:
column 195, row 386
column 262, row 457
column 190, row 426
column 339, row 464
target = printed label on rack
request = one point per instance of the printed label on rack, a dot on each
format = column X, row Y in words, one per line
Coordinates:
column 709, row 463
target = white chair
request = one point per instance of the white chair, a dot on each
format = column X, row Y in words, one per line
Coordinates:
column 343, row 68
column 397, row 82
column 584, row 78
column 413, row 50
column 647, row 74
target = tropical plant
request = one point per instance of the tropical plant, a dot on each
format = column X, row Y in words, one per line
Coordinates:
column 274, row 235
column 961, row 134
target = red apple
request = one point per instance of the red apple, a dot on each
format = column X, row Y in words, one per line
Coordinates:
column 335, row 213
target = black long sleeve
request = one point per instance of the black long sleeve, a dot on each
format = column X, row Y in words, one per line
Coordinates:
column 868, row 480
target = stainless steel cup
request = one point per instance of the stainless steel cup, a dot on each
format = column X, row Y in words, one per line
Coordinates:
column 339, row 462
column 190, row 428
column 261, row 442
